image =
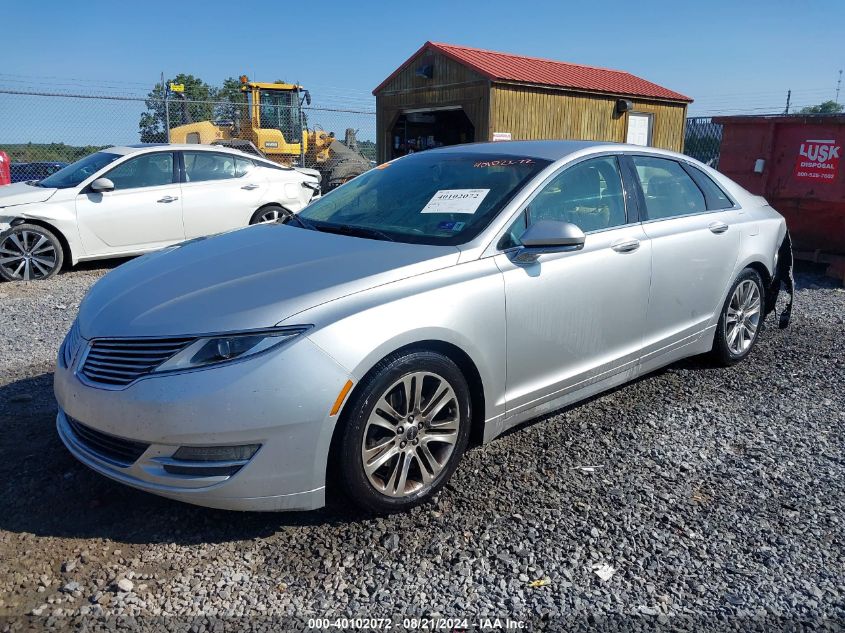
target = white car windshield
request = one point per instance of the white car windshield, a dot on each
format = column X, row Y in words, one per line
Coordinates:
column 429, row 198
column 75, row 173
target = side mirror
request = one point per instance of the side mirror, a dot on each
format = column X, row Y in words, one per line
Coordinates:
column 549, row 236
column 102, row 185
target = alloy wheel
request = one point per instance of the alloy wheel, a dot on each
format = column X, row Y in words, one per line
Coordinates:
column 411, row 434
column 743, row 317
column 270, row 215
column 27, row 255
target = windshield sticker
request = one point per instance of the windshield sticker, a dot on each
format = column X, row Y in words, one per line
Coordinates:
column 456, row 201
column 454, row 227
column 504, row 162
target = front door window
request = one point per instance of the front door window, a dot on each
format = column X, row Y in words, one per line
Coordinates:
column 147, row 170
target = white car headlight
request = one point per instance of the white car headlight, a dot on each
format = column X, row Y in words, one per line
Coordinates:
column 228, row 347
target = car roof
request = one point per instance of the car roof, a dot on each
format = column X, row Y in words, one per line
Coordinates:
column 142, row 147
column 548, row 150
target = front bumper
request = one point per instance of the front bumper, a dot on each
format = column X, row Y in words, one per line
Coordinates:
column 280, row 400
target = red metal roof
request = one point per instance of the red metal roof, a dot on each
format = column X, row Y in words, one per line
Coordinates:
column 546, row 72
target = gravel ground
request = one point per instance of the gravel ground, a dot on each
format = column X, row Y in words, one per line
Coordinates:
column 699, row 497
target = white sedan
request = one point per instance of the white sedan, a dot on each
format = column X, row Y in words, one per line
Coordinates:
column 125, row 201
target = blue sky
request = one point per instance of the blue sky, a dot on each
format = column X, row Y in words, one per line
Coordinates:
column 728, row 56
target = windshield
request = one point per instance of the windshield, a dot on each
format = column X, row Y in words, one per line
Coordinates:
column 280, row 110
column 427, row 198
column 76, row 172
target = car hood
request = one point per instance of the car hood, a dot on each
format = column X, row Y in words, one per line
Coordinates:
column 246, row 279
column 22, row 193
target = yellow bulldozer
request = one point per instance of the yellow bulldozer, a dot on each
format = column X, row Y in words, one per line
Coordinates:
column 270, row 123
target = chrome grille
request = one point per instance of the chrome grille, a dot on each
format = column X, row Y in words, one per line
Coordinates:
column 118, row 362
column 115, row 449
column 71, row 343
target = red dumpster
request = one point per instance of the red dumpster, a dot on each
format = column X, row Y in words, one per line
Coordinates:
column 5, row 170
column 795, row 162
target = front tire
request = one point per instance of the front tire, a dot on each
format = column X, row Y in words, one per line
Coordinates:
column 741, row 319
column 406, row 429
column 29, row 252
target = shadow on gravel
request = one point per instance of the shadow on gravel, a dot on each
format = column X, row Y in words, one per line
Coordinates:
column 694, row 363
column 46, row 492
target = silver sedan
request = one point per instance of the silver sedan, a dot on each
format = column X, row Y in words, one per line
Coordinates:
column 443, row 296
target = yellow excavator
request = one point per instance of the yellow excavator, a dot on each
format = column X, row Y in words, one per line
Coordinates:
column 269, row 124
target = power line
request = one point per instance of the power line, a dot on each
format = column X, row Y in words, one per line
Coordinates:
column 74, row 79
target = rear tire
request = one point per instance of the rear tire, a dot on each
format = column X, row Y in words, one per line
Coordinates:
column 405, row 431
column 741, row 319
column 29, row 252
column 270, row 213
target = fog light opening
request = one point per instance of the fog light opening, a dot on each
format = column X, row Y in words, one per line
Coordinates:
column 209, row 461
column 243, row 452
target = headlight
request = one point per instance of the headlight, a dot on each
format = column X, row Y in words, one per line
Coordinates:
column 224, row 348
column 71, row 342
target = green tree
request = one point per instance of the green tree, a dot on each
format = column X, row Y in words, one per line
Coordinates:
column 828, row 107
column 197, row 106
column 230, row 101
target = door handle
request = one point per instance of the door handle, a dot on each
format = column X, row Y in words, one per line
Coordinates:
column 718, row 227
column 625, row 245
column 250, row 187
column 168, row 199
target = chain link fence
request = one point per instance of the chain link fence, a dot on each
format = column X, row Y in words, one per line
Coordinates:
column 42, row 131
column 702, row 140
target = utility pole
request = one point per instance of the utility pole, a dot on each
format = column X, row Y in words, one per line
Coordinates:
column 838, row 85
column 788, row 97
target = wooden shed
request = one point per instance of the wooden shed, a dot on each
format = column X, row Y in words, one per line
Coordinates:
column 445, row 94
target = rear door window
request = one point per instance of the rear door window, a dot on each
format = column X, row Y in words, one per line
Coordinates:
column 205, row 166
column 668, row 189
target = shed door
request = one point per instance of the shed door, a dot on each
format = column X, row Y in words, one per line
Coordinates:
column 639, row 128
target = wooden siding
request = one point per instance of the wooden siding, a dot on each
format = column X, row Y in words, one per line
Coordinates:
column 537, row 113
column 446, row 73
column 452, row 84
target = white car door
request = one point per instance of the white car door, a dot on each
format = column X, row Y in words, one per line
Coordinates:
column 143, row 213
column 576, row 318
column 220, row 192
column 695, row 246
